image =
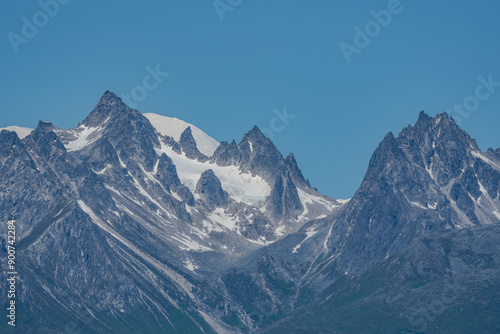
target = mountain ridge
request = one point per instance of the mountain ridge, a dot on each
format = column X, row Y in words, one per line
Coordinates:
column 239, row 241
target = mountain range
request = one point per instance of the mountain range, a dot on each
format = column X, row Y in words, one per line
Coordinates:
column 136, row 222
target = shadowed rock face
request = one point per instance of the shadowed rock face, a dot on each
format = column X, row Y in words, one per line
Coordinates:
column 188, row 146
column 210, row 190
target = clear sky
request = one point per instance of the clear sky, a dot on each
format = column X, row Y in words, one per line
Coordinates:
column 230, row 67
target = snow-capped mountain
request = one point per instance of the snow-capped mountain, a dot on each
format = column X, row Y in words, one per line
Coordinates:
column 144, row 223
column 149, row 198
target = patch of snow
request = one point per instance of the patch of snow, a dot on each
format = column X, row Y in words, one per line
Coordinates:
column 190, row 245
column 261, row 241
column 313, row 199
column 429, row 171
column 174, row 127
column 343, row 201
column 242, row 187
column 83, row 136
column 104, row 169
column 485, row 159
column 482, row 189
column 280, row 231
column 21, row 131
column 177, row 197
column 497, row 214
column 210, row 226
column 325, row 243
column 310, row 232
column 155, row 170
column 190, row 266
column 418, row 205
column 202, row 234
column 121, row 162
column 307, row 198
column 220, row 217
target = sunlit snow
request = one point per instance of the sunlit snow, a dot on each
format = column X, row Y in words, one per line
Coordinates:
column 174, row 127
column 242, row 187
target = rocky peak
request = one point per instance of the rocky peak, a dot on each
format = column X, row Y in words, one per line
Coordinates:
column 44, row 126
column 440, row 130
column 260, row 156
column 9, row 144
column 110, row 99
column 255, row 135
column 227, row 154
column 9, row 138
column 44, row 136
column 109, row 105
column 210, row 190
column 188, row 145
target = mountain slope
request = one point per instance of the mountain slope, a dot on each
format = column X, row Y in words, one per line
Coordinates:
column 442, row 283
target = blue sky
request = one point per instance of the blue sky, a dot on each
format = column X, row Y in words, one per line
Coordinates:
column 226, row 75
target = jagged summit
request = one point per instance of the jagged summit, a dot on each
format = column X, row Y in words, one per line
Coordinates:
column 442, row 120
column 255, row 135
column 109, row 98
column 422, row 115
column 109, row 105
column 44, row 126
column 439, row 133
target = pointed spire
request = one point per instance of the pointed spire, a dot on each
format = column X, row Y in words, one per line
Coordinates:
column 189, row 146
column 109, row 104
column 187, row 138
column 255, row 134
column 423, row 116
column 110, row 99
